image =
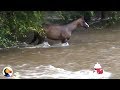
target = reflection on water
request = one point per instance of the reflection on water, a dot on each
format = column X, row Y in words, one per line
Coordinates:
column 86, row 48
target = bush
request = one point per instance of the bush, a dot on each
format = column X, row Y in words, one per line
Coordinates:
column 15, row 24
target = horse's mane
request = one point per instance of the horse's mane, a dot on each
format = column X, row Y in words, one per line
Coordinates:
column 49, row 23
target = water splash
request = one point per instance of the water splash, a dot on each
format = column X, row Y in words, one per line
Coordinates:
column 48, row 72
column 47, row 45
column 65, row 44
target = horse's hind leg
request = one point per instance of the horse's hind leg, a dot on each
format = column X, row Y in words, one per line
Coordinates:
column 46, row 44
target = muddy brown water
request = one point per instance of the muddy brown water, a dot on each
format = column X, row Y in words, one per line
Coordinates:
column 86, row 48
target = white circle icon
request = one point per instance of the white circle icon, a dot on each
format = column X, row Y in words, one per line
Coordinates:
column 7, row 72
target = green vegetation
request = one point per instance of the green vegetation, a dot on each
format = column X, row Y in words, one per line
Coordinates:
column 15, row 24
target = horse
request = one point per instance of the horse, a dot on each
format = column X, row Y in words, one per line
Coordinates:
column 63, row 32
column 60, row 32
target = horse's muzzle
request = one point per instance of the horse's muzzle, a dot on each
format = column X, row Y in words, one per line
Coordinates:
column 86, row 25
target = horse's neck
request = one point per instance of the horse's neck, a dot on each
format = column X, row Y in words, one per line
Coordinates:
column 72, row 26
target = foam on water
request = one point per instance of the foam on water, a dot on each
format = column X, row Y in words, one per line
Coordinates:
column 48, row 72
column 65, row 44
column 21, row 65
column 47, row 45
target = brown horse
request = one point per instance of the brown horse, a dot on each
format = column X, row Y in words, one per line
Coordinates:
column 63, row 32
column 58, row 32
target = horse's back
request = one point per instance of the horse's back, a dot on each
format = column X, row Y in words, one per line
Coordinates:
column 52, row 27
column 53, row 31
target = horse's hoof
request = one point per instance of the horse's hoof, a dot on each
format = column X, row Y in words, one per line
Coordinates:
column 65, row 44
column 46, row 44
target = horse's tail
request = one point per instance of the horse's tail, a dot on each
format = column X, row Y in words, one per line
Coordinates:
column 33, row 37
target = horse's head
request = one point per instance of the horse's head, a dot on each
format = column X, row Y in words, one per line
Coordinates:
column 81, row 22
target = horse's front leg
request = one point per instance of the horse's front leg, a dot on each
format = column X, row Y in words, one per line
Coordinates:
column 65, row 42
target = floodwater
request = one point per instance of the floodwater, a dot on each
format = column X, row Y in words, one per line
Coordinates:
column 87, row 47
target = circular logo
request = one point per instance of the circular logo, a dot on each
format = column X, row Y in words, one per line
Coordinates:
column 7, row 72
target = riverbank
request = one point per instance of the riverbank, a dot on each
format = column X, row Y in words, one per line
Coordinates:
column 98, row 26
